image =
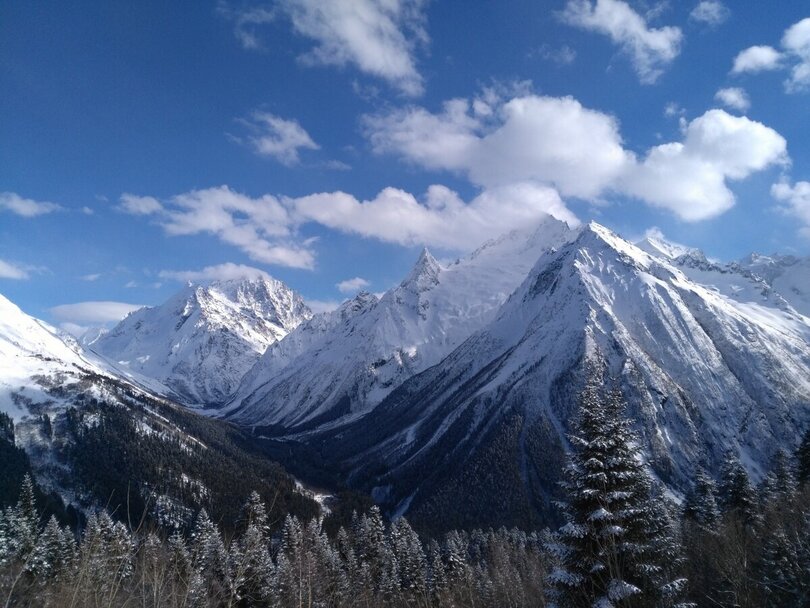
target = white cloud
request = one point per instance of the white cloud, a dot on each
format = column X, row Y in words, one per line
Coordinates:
column 563, row 55
column 559, row 143
column 795, row 55
column 245, row 23
column 797, row 201
column 90, row 277
column 352, row 285
column 442, row 220
column 139, row 205
column 690, row 178
column 757, row 59
column 673, row 109
column 529, row 138
column 12, row 271
column 650, row 49
column 25, row 207
column 796, row 42
column 318, row 306
column 378, row 37
column 260, row 227
column 734, row 98
column 220, row 272
column 710, row 12
column 94, row 313
column 278, row 138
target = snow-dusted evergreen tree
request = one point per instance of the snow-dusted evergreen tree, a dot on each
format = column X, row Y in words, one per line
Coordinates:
column 437, row 577
column 410, row 556
column 208, row 555
column 784, row 566
column 106, row 553
column 611, row 550
column 53, row 553
column 736, row 493
column 780, row 482
column 20, row 525
column 249, row 562
column 700, row 505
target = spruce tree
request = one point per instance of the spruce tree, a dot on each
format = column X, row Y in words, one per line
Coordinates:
column 700, row 505
column 737, row 495
column 611, row 550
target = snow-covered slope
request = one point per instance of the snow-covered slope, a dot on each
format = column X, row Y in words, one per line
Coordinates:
column 786, row 274
column 203, row 339
column 31, row 349
column 343, row 363
column 703, row 372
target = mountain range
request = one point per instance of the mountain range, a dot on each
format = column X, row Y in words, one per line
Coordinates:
column 450, row 396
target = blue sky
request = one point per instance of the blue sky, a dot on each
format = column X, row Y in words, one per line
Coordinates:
column 325, row 143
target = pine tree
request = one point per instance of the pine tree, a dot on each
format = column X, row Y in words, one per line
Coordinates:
column 609, row 549
column 208, row 555
column 737, row 495
column 700, row 505
column 410, row 556
column 780, row 483
column 784, row 566
column 52, row 554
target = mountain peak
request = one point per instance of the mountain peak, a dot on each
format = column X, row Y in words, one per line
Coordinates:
column 425, row 273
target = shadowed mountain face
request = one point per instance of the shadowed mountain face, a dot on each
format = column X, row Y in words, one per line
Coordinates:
column 479, row 438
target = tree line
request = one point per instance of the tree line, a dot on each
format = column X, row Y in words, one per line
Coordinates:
column 625, row 543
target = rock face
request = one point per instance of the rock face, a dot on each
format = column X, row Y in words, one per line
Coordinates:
column 340, row 365
column 479, row 438
column 205, row 338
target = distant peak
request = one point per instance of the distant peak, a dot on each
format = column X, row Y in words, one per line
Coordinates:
column 425, row 273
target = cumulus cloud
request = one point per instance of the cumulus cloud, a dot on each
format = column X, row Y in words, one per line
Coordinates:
column 795, row 55
column 220, row 272
column 260, row 227
column 9, row 270
column 757, row 59
column 651, row 50
column 352, row 285
column 796, row 199
column 690, row 177
column 558, row 142
column 25, row 207
column 796, row 43
column 528, row 138
column 276, row 137
column 443, row 219
column 378, row 37
column 710, row 12
column 94, row 313
column 734, row 98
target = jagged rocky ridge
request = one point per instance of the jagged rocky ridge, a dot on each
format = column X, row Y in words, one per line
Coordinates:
column 202, row 341
column 339, row 365
column 704, row 370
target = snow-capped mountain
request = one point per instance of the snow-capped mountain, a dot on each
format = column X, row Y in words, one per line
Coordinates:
column 343, row 363
column 202, row 340
column 787, row 274
column 703, row 372
column 95, row 436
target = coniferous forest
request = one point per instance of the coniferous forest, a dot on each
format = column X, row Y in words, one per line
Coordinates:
column 624, row 543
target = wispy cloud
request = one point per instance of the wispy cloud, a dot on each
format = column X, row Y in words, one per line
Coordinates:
column 378, row 37
column 352, row 285
column 221, row 272
column 796, row 200
column 8, row 270
column 276, row 137
column 650, row 49
column 710, row 12
column 94, row 313
column 25, row 207
column 260, row 227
